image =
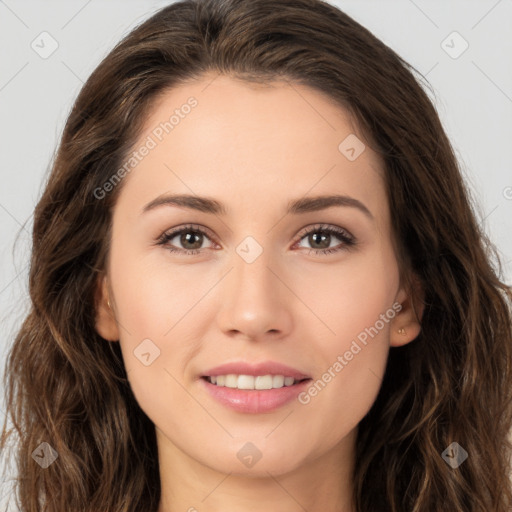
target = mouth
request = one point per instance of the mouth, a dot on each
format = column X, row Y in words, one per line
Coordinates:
column 259, row 393
column 253, row 382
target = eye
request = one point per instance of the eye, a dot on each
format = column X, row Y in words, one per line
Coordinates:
column 320, row 236
column 191, row 237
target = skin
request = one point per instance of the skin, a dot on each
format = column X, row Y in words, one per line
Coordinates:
column 253, row 148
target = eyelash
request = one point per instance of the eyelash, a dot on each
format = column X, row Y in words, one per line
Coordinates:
column 348, row 240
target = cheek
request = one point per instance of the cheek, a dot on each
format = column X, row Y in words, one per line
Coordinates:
column 155, row 298
column 349, row 297
column 154, row 310
column 350, row 367
column 356, row 305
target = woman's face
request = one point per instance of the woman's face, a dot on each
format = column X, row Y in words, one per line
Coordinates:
column 258, row 285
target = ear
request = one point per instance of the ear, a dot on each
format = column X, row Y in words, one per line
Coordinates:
column 406, row 325
column 105, row 322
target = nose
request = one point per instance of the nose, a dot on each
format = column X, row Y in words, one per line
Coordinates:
column 256, row 301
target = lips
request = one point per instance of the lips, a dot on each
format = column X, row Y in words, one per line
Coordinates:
column 253, row 401
column 260, row 369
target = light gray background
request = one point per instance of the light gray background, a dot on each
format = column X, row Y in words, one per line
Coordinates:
column 473, row 95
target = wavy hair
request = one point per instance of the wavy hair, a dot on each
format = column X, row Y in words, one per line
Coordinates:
column 67, row 386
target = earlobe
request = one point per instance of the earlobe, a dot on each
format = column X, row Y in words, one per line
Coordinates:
column 105, row 322
column 404, row 335
column 406, row 325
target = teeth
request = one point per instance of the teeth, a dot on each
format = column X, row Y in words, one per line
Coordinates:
column 288, row 381
column 251, row 382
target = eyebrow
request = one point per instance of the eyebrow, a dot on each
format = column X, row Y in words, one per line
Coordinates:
column 297, row 206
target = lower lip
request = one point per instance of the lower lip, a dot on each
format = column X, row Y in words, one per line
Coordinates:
column 254, row 401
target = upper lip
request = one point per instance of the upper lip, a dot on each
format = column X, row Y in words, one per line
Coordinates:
column 264, row 368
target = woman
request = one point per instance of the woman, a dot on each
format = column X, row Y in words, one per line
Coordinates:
column 250, row 371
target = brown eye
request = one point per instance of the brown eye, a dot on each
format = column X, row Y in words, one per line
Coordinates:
column 320, row 238
column 190, row 238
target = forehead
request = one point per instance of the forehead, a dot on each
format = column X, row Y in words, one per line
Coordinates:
column 240, row 142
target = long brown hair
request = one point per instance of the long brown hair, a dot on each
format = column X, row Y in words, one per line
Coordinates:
column 67, row 386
